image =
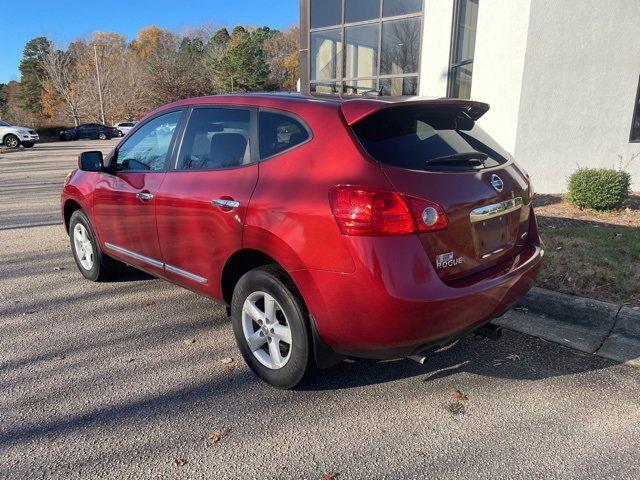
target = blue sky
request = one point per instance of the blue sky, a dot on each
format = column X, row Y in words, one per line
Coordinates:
column 64, row 20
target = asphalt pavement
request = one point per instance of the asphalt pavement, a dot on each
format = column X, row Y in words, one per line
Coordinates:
column 131, row 379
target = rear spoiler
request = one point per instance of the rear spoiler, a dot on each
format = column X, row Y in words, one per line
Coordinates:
column 358, row 108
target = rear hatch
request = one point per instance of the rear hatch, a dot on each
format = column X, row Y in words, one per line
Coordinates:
column 433, row 150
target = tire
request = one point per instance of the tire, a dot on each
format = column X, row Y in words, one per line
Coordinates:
column 93, row 263
column 28, row 144
column 11, row 141
column 102, row 136
column 120, row 134
column 255, row 289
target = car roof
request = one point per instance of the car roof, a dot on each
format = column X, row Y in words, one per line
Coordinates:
column 353, row 107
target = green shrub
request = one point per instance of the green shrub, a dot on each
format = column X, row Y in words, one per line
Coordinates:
column 598, row 188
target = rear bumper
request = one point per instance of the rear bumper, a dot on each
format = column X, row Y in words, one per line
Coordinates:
column 395, row 305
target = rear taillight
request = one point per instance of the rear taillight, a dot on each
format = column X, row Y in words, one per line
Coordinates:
column 367, row 211
column 430, row 216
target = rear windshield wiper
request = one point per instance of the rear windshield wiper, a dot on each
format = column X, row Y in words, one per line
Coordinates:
column 459, row 156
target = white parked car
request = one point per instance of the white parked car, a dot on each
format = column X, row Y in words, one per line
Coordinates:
column 13, row 136
column 124, row 127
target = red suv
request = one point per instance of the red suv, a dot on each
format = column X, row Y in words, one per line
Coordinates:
column 329, row 227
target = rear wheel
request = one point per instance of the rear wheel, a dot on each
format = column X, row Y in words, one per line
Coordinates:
column 11, row 141
column 102, row 136
column 270, row 323
column 92, row 262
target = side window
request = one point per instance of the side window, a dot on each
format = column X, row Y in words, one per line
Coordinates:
column 216, row 138
column 279, row 132
column 147, row 149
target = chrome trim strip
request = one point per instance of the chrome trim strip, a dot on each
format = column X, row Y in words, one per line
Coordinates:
column 135, row 255
column 185, row 274
column 495, row 210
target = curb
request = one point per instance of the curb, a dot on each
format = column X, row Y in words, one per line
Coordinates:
column 605, row 329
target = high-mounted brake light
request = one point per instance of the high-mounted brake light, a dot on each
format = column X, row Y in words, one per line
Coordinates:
column 368, row 211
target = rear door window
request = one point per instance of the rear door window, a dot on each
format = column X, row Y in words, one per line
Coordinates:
column 279, row 132
column 216, row 138
column 420, row 138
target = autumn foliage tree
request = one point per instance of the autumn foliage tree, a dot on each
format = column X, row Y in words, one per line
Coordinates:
column 59, row 85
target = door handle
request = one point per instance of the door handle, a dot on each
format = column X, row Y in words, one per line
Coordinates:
column 225, row 203
column 144, row 196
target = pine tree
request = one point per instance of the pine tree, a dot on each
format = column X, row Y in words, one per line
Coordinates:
column 32, row 73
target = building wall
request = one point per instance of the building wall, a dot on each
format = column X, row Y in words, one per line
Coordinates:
column 579, row 87
column 436, row 42
column 499, row 65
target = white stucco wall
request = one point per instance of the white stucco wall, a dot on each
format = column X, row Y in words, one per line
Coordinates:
column 578, row 90
column 499, row 64
column 436, row 40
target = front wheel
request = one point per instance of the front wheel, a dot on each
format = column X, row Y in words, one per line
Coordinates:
column 28, row 144
column 11, row 141
column 270, row 323
column 94, row 264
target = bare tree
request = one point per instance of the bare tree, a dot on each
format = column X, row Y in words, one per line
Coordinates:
column 63, row 79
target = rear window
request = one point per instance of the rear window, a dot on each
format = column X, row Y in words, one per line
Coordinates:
column 420, row 138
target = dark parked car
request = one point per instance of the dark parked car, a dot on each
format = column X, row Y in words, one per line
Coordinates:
column 93, row 131
column 330, row 228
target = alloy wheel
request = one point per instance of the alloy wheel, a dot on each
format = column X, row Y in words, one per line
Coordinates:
column 12, row 142
column 83, row 246
column 266, row 330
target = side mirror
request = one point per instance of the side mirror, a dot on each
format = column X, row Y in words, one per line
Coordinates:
column 90, row 161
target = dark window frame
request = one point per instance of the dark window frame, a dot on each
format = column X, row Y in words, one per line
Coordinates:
column 284, row 113
column 339, row 85
column 635, row 117
column 455, row 30
column 253, row 137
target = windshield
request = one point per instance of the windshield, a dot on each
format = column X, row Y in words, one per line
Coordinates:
column 4, row 124
column 423, row 138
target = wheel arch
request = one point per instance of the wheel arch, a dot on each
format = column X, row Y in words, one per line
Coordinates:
column 70, row 206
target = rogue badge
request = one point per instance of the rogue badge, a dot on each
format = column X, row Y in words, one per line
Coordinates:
column 446, row 260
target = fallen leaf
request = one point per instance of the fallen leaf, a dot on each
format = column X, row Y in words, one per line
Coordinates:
column 189, row 341
column 29, row 312
column 226, row 360
column 149, row 303
column 227, row 368
column 60, row 357
column 558, row 248
column 57, row 269
column 457, row 394
column 330, row 476
column 513, row 356
column 521, row 309
column 130, row 360
column 217, row 435
column 179, row 462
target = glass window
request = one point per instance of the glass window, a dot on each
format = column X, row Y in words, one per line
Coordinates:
column 360, row 10
column 359, row 87
column 361, row 50
column 460, row 86
column 216, row 138
column 147, row 149
column 392, row 8
column 326, row 54
column 464, row 45
column 400, row 46
column 465, row 42
column 411, row 136
column 325, row 13
column 278, row 133
column 635, row 124
column 399, row 86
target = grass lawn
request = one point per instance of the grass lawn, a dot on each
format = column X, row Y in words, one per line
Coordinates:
column 591, row 254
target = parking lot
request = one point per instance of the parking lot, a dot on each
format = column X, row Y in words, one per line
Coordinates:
column 131, row 379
